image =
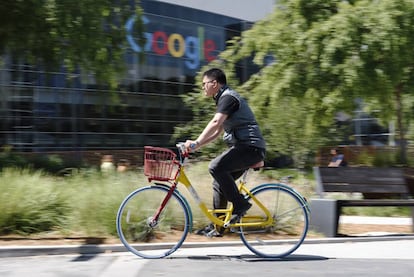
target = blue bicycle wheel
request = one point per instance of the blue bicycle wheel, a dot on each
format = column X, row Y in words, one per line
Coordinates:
column 287, row 223
column 146, row 237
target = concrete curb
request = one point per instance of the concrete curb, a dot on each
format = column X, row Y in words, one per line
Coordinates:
column 89, row 249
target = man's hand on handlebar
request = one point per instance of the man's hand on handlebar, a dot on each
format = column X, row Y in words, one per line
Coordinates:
column 191, row 145
column 187, row 147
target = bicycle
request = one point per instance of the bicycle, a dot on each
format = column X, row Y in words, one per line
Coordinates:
column 274, row 227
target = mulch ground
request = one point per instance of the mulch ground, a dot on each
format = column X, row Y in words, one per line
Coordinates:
column 358, row 229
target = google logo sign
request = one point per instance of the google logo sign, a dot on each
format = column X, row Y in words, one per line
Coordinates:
column 194, row 49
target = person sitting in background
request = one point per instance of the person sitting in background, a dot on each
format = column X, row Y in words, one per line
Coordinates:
column 337, row 159
column 123, row 165
column 107, row 163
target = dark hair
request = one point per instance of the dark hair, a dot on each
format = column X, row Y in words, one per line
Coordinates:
column 216, row 74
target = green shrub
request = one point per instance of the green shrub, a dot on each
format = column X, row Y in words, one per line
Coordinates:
column 95, row 199
column 86, row 202
column 30, row 202
column 375, row 211
column 384, row 159
column 50, row 163
column 365, row 159
column 9, row 159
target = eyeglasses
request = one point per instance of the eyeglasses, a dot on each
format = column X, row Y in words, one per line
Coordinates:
column 205, row 83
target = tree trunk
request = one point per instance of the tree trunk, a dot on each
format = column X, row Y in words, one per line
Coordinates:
column 400, row 127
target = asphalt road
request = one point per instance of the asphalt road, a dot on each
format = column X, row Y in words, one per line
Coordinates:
column 383, row 256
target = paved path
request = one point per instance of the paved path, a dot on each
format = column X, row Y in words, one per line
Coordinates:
column 390, row 256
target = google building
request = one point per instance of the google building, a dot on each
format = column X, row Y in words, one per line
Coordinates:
column 48, row 115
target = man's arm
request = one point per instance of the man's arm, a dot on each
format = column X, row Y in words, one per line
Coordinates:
column 210, row 132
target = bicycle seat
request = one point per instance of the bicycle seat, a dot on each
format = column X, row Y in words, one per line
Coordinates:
column 257, row 165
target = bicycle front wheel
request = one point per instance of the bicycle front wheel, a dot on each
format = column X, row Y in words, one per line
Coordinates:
column 141, row 233
column 284, row 226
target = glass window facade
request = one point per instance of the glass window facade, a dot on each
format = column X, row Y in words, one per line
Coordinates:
column 51, row 111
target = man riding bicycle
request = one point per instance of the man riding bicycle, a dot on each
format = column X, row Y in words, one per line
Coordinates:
column 241, row 133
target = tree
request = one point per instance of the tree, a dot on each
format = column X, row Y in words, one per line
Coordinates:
column 327, row 53
column 86, row 35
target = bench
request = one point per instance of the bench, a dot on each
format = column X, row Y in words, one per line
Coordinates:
column 379, row 187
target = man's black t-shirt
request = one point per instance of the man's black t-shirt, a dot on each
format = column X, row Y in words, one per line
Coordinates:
column 227, row 105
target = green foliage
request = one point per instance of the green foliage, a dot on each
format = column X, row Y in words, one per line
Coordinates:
column 49, row 163
column 374, row 211
column 384, row 159
column 30, row 202
column 365, row 159
column 84, row 203
column 326, row 55
column 87, row 35
column 378, row 158
column 95, row 199
column 10, row 159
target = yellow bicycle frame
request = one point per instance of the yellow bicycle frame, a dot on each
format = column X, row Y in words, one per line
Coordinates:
column 247, row 221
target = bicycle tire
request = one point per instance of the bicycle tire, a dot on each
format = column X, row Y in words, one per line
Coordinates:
column 134, row 227
column 290, row 221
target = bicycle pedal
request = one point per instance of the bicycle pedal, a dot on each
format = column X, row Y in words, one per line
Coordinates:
column 234, row 230
column 233, row 219
column 214, row 233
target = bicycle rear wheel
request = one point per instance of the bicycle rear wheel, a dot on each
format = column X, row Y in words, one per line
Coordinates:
column 141, row 234
column 289, row 221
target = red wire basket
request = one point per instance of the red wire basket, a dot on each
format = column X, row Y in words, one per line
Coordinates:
column 159, row 163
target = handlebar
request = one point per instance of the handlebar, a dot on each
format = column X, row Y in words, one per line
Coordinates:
column 182, row 149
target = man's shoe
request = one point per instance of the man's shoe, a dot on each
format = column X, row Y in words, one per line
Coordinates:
column 210, row 231
column 239, row 212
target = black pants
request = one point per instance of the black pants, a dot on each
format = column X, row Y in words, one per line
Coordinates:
column 227, row 168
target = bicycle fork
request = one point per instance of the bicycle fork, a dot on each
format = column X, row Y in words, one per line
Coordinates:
column 153, row 221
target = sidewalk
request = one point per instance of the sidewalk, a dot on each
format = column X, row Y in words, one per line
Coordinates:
column 22, row 250
column 333, row 257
